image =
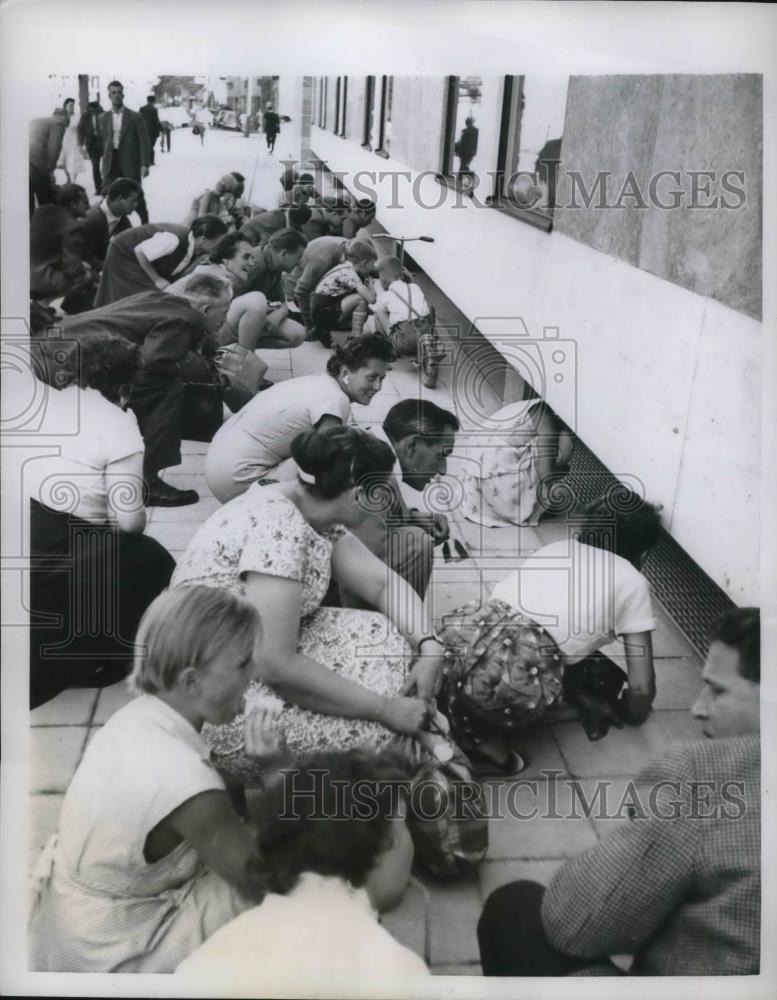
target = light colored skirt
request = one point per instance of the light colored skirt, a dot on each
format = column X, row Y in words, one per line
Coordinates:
column 361, row 646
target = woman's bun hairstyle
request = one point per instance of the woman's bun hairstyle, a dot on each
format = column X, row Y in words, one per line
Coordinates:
column 340, row 458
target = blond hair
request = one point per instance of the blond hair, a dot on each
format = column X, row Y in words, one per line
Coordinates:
column 360, row 251
column 189, row 626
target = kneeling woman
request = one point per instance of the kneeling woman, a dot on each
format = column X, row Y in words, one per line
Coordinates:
column 573, row 597
column 508, row 477
column 343, row 673
column 254, row 442
column 150, row 858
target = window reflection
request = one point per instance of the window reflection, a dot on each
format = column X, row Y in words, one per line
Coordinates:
column 369, row 101
column 469, row 93
column 385, row 99
column 536, row 123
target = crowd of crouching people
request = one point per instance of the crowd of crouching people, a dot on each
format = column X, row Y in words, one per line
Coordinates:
column 294, row 634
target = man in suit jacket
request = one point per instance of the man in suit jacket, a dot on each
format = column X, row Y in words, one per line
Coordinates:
column 168, row 328
column 677, row 890
column 107, row 219
column 46, row 135
column 151, row 120
column 126, row 149
column 90, row 139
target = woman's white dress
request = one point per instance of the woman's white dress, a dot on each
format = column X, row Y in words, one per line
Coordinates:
column 71, row 161
column 100, row 906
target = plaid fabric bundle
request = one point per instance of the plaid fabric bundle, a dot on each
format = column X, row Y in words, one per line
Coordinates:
column 447, row 812
column 502, row 671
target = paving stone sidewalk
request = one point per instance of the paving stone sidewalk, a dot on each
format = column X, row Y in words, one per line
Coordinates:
column 437, row 919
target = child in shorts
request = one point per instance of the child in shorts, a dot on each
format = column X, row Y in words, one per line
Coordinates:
column 396, row 301
column 402, row 313
column 341, row 290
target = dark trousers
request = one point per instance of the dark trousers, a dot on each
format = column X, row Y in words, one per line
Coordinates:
column 152, row 142
column 41, row 188
column 89, row 587
column 113, row 174
column 405, row 548
column 271, row 137
column 158, row 405
column 97, row 176
column 165, row 143
column 512, row 939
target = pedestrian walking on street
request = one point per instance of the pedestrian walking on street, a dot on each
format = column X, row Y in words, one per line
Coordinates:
column 200, row 123
column 272, row 126
column 166, row 129
column 91, row 141
column 150, row 117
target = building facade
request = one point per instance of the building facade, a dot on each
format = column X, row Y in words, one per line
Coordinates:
column 604, row 234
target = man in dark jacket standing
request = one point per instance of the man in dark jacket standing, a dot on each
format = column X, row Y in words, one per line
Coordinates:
column 91, row 141
column 150, row 117
column 126, row 149
column 46, row 135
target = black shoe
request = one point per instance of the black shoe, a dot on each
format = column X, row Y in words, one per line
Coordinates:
column 510, row 766
column 322, row 337
column 159, row 494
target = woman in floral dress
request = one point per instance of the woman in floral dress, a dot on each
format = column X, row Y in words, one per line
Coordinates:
column 509, row 477
column 347, row 678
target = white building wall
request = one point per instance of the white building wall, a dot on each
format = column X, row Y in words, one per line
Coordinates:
column 665, row 385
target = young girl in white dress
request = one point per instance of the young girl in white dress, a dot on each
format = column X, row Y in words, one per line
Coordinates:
column 150, row 858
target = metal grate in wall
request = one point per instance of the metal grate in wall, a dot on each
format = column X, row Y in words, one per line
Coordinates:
column 692, row 599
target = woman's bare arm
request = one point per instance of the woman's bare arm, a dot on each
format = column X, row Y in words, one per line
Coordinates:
column 358, row 569
column 305, row 682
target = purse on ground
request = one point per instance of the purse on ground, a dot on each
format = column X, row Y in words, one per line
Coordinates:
column 447, row 815
column 242, row 373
